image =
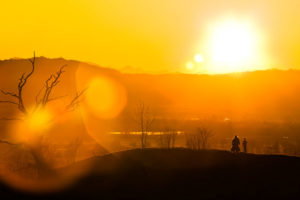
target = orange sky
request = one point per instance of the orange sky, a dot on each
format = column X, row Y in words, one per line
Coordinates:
column 148, row 35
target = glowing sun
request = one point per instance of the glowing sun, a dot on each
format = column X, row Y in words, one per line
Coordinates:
column 233, row 47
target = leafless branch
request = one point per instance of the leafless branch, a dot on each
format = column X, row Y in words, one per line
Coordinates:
column 9, row 94
column 75, row 101
column 50, row 83
column 22, row 83
column 56, row 98
column 9, row 119
column 7, row 142
column 37, row 102
column 7, row 101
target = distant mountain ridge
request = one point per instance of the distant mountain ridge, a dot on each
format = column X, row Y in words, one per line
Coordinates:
column 259, row 95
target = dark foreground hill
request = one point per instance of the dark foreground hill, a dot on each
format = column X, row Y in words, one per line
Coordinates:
column 183, row 174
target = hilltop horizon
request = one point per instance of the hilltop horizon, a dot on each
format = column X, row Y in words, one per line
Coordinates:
column 233, row 95
column 133, row 70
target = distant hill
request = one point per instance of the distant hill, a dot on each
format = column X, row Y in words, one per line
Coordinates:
column 11, row 71
column 259, row 95
column 183, row 174
column 262, row 100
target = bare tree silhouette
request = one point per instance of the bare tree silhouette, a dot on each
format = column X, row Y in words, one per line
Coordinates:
column 41, row 100
column 47, row 89
column 204, row 135
column 198, row 139
column 22, row 82
column 144, row 120
column 168, row 138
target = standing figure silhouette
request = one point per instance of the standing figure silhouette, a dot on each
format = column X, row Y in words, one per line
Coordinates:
column 235, row 145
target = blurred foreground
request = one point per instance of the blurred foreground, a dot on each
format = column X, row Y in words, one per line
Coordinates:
column 180, row 174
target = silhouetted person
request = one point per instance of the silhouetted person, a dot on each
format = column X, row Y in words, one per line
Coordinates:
column 245, row 145
column 235, row 145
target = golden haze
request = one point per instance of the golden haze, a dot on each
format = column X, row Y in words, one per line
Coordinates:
column 149, row 36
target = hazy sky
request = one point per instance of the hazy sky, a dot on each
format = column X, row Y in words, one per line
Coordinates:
column 152, row 35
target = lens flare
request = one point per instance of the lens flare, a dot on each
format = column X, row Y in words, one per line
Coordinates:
column 105, row 97
column 190, row 66
column 198, row 58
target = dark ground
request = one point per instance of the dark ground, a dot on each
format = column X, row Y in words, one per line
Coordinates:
column 182, row 174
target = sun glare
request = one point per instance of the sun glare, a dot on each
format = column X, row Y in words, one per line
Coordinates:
column 35, row 124
column 233, row 47
column 38, row 120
